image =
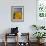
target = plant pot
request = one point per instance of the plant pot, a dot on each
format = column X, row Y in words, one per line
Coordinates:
column 38, row 40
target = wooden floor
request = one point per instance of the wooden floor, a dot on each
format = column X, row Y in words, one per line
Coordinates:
column 13, row 44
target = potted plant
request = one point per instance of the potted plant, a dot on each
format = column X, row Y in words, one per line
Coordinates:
column 38, row 27
column 35, row 26
column 42, row 27
column 39, row 35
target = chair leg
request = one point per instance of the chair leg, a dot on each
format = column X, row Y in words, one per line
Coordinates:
column 5, row 43
column 5, row 40
column 17, row 39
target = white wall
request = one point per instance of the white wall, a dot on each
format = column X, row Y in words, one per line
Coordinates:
column 29, row 15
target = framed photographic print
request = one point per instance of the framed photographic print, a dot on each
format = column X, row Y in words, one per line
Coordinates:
column 17, row 13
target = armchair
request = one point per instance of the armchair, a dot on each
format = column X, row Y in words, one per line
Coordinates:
column 14, row 32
